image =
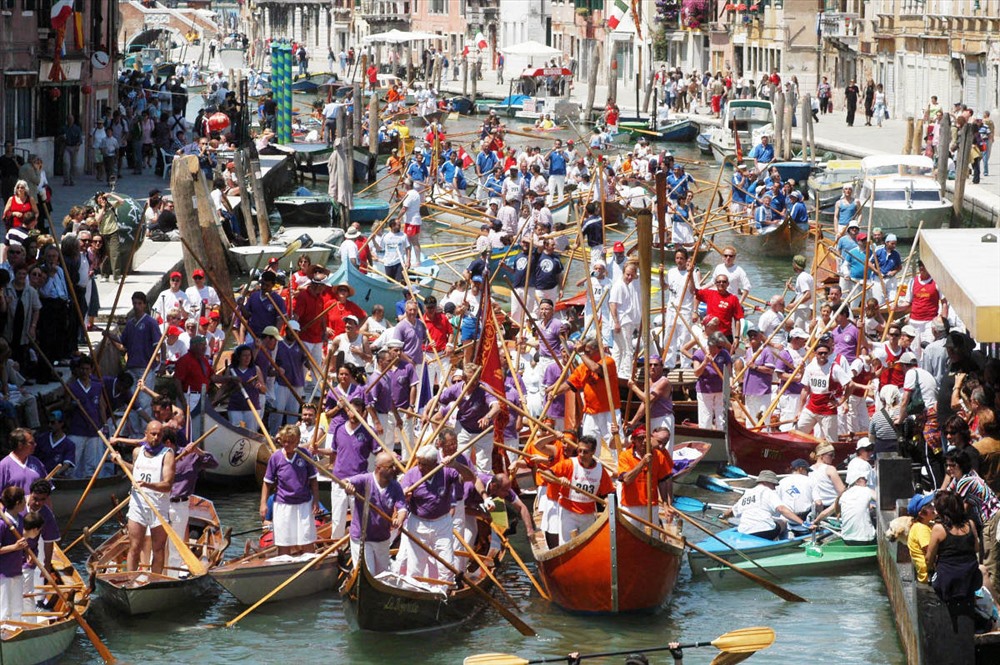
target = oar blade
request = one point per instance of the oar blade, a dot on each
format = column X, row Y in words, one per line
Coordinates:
column 725, row 658
column 732, row 471
column 689, row 504
column 494, row 659
column 745, row 640
column 712, row 484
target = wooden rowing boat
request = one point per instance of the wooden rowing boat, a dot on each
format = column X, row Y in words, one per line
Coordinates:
column 832, row 557
column 144, row 592
column 472, row 213
column 785, row 239
column 389, row 603
column 751, row 546
column 44, row 638
column 234, row 447
column 68, row 491
column 250, row 577
column 371, row 289
column 612, row 567
column 676, row 131
column 756, row 451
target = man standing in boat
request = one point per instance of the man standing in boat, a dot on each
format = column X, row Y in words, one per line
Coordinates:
column 137, row 342
column 381, row 488
column 823, row 383
column 633, row 463
column 591, row 378
column 577, row 511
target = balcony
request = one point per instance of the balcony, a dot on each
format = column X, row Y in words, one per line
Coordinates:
column 386, row 11
column 840, row 26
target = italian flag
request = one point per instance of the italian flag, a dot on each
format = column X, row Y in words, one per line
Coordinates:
column 617, row 13
column 61, row 12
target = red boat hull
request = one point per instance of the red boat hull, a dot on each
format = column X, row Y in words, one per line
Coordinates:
column 758, row 451
column 587, row 575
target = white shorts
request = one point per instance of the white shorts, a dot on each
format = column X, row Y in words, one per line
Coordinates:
column 339, row 504
column 549, row 510
column 140, row 512
column 294, row 524
column 377, row 558
column 570, row 522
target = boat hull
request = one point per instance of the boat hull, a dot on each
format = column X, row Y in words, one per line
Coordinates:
column 368, row 211
column 612, row 567
column 677, row 131
column 234, row 447
column 147, row 600
column 751, row 546
column 757, row 451
column 785, row 240
column 248, row 257
column 250, row 584
column 67, row 494
column 834, row 557
column 305, row 210
column 903, row 221
column 797, row 171
column 371, row 290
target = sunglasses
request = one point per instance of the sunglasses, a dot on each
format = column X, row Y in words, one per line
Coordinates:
column 729, row 256
column 199, row 277
column 894, row 334
column 822, row 353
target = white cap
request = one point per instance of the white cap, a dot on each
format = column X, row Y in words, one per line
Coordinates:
column 853, row 475
column 863, row 442
column 295, row 325
column 891, row 238
column 798, row 333
column 907, row 359
column 909, row 331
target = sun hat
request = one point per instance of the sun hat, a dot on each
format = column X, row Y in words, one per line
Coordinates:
column 352, row 234
column 767, row 476
column 918, row 502
column 824, row 448
column 270, row 331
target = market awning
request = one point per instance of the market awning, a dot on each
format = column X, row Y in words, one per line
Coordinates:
column 532, row 48
column 399, row 37
column 536, row 72
column 965, row 264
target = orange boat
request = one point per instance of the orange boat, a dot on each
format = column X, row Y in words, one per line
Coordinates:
column 613, row 566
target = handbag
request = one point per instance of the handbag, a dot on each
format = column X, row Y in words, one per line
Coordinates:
column 916, row 404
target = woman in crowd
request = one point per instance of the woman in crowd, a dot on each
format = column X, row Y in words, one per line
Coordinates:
column 952, row 552
column 293, row 481
column 22, row 306
column 55, row 314
column 250, row 385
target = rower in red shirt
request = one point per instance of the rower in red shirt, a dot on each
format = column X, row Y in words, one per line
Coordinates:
column 309, row 310
column 632, row 464
column 439, row 350
column 722, row 304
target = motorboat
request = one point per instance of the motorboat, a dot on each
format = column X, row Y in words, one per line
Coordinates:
column 904, row 193
column 750, row 119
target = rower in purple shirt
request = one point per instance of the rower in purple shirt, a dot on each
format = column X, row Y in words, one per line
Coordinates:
column 557, row 407
column 294, row 482
column 350, row 446
column 447, row 444
column 290, row 358
column 259, row 310
column 429, row 506
column 86, row 413
column 346, row 388
column 53, row 448
column 479, row 500
column 381, row 488
column 472, row 416
column 189, row 462
column 379, row 393
column 37, row 501
column 551, row 330
column 759, row 363
column 20, row 467
column 412, row 331
column 140, row 337
column 845, row 335
column 404, row 384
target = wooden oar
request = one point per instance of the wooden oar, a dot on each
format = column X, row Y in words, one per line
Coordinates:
column 742, row 641
column 482, row 566
column 194, row 564
column 70, row 603
column 53, row 472
column 446, row 461
column 711, row 534
column 520, row 561
column 97, row 525
column 770, row 586
column 299, row 573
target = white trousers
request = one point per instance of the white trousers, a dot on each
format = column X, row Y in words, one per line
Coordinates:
column 557, row 186
column 89, row 450
column 623, row 349
column 517, row 314
column 412, row 560
column 377, row 558
column 571, row 524
column 30, row 579
column 11, row 597
column 549, row 510
column 681, row 336
column 788, row 406
column 178, row 515
column 598, row 425
column 756, row 405
column 339, row 503
column 437, row 372
column 283, row 400
column 315, row 350
column 294, row 524
column 481, row 452
column 711, row 411
column 823, row 427
column 853, row 416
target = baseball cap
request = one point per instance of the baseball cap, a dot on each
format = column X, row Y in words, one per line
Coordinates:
column 918, row 502
column 619, row 247
column 395, row 344
column 863, row 442
column 204, row 321
column 862, row 236
column 295, row 325
column 799, row 260
column 907, row 359
column 270, row 331
column 909, row 331
column 198, row 273
column 174, row 330
column 175, row 274
column 891, row 238
column 799, row 464
column 798, row 333
column 215, row 316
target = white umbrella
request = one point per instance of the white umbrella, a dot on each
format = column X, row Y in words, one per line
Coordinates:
column 531, row 48
column 399, row 37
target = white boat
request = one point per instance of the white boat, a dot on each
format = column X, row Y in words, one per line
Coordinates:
column 45, row 638
column 905, row 194
column 103, row 494
column 827, row 186
column 250, row 256
column 234, row 447
column 751, row 118
column 232, row 57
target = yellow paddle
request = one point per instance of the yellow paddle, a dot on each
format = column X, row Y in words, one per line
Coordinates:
column 745, row 642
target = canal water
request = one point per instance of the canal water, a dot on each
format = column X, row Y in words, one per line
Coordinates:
column 846, row 621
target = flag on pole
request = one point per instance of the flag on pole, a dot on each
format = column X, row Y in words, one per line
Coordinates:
column 489, row 359
column 465, row 50
column 78, row 29
column 481, row 42
column 739, row 147
column 618, row 11
column 61, row 11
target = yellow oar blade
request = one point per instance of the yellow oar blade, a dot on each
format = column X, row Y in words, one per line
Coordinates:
column 494, row 659
column 745, row 640
column 730, row 658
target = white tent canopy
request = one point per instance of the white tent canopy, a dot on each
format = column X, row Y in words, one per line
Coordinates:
column 399, row 37
column 531, row 48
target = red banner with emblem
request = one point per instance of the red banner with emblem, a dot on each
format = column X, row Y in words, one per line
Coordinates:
column 488, row 358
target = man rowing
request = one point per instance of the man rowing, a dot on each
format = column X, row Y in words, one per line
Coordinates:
column 635, row 465
column 577, row 510
column 368, row 528
column 760, row 510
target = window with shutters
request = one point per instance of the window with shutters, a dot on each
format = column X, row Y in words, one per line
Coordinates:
column 17, row 119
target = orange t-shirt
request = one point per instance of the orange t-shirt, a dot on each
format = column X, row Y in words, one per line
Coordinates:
column 634, row 493
column 551, row 489
column 595, row 391
column 393, row 95
column 595, row 480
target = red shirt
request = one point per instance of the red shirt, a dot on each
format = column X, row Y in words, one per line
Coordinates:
column 439, row 329
column 193, row 372
column 925, row 300
column 364, row 254
column 372, row 75
column 726, row 307
column 306, row 308
column 335, row 317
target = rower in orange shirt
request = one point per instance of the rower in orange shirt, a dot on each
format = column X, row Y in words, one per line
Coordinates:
column 577, row 511
column 632, row 465
column 548, row 493
column 394, row 163
column 600, row 417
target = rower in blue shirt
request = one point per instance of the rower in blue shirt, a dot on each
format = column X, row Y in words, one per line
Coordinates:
column 763, row 215
column 417, row 170
column 799, row 214
column 448, row 170
column 739, row 185
column 494, row 182
column 762, row 153
column 677, row 182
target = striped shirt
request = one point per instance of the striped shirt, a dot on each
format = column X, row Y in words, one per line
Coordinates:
column 974, row 489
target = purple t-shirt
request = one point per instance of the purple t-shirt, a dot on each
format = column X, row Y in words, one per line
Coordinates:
column 186, row 471
column 380, row 394
column 557, row 409
column 53, row 453
column 710, row 381
column 353, row 448
column 402, row 377
column 291, row 477
column 11, row 562
column 550, row 333
column 247, row 377
column 472, row 409
column 433, row 497
column 413, row 336
column 79, row 424
column 845, row 341
column 756, row 382
column 510, row 431
column 292, row 359
column 661, row 406
column 473, row 498
column 260, row 311
column 50, row 529
column 784, row 363
column 13, row 473
column 388, row 499
column 139, row 339
column 332, row 399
